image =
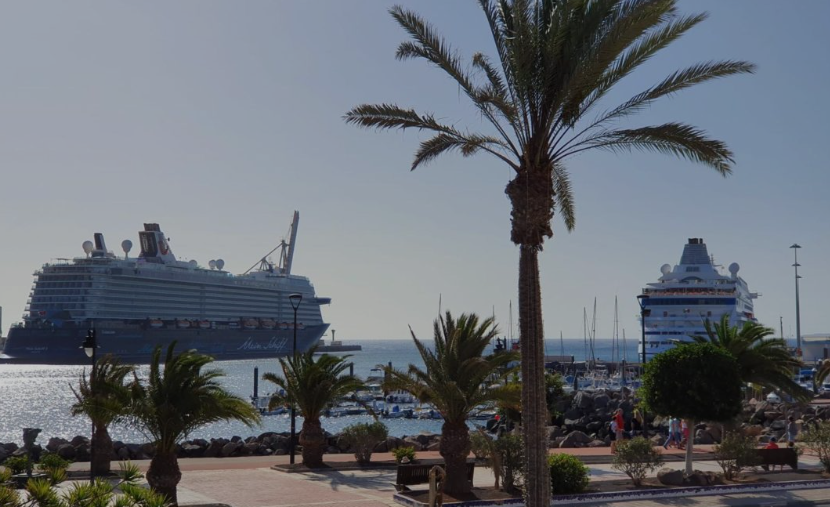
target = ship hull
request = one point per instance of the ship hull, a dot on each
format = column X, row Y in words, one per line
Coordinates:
column 63, row 346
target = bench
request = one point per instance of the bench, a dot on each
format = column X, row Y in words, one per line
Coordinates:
column 781, row 457
column 418, row 473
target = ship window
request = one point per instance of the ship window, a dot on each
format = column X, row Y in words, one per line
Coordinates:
column 692, row 269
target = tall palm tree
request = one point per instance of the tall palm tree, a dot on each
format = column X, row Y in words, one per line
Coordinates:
column 763, row 360
column 457, row 380
column 312, row 386
column 556, row 61
column 104, row 398
column 177, row 398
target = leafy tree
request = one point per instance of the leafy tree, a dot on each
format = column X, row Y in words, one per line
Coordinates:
column 556, row 62
column 693, row 381
column 362, row 439
column 177, row 398
column 636, row 458
column 456, row 381
column 103, row 397
column 762, row 360
column 312, row 386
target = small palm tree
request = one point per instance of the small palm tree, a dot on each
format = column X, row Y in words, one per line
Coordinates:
column 176, row 400
column 458, row 379
column 763, row 360
column 104, row 398
column 312, row 386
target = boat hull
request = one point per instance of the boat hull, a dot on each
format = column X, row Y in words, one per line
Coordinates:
column 63, row 346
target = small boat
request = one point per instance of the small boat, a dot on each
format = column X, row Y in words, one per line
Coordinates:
column 204, row 324
column 284, row 325
column 267, row 323
column 251, row 324
column 156, row 323
column 183, row 324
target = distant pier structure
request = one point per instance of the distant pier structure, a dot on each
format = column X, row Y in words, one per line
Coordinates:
column 336, row 346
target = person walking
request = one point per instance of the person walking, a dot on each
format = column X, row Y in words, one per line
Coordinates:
column 618, row 418
column 637, row 422
column 792, row 431
column 672, row 438
column 684, row 433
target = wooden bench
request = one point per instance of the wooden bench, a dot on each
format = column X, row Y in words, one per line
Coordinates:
column 419, row 474
column 777, row 457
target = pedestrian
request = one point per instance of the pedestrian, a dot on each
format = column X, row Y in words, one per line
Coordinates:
column 672, row 433
column 613, row 427
column 772, row 445
column 618, row 418
column 637, row 422
column 792, row 431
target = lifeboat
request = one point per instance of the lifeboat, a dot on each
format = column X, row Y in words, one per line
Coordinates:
column 233, row 325
column 251, row 324
column 204, row 324
column 300, row 325
column 267, row 323
column 156, row 323
column 183, row 324
column 284, row 325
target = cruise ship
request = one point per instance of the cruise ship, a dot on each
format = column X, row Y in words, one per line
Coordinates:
column 137, row 303
column 684, row 297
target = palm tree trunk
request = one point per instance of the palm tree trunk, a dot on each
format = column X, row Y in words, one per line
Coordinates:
column 689, row 446
column 454, row 448
column 164, row 474
column 534, row 408
column 102, row 451
column 313, row 441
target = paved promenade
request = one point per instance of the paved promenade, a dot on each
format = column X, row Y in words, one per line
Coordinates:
column 250, row 482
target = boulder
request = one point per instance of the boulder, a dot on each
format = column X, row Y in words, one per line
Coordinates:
column 214, row 449
column 583, row 400
column 698, row 478
column 123, row 453
column 593, row 427
column 575, row 439
column 572, row 413
column 10, row 447
column 332, row 450
column 670, row 477
column 66, row 451
column 229, row 449
column 236, row 439
column 3, row 454
column 658, row 440
column 54, row 444
column 280, row 452
column 778, row 425
column 192, row 450
column 79, row 441
column 601, row 401
column 434, row 446
column 597, row 443
column 554, row 432
column 703, row 438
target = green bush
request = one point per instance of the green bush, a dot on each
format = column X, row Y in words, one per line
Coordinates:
column 817, row 438
column 363, row 437
column 736, row 452
column 50, row 461
column 480, row 445
column 511, row 453
column 17, row 464
column 404, row 452
column 567, row 474
column 636, row 458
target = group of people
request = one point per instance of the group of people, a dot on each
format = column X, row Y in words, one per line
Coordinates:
column 792, row 435
column 678, row 433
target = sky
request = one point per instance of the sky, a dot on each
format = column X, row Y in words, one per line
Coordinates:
column 219, row 119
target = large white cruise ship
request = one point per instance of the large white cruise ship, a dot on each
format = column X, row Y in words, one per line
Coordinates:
column 137, row 303
column 679, row 303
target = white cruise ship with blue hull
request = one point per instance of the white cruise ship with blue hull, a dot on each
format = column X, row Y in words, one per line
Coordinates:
column 686, row 295
column 137, row 303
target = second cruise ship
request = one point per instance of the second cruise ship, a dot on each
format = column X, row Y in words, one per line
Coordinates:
column 686, row 295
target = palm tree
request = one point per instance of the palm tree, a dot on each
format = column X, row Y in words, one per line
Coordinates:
column 763, row 360
column 312, row 386
column 176, row 400
column 457, row 380
column 556, row 61
column 103, row 397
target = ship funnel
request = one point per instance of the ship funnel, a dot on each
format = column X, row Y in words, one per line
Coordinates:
column 100, row 245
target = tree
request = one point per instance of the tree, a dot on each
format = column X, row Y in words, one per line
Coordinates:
column 458, row 379
column 176, row 400
column 761, row 360
column 312, row 386
column 104, row 398
column 556, row 61
column 693, row 381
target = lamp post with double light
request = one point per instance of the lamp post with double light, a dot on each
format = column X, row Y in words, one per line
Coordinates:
column 795, row 248
column 90, row 346
column 295, row 304
column 644, row 312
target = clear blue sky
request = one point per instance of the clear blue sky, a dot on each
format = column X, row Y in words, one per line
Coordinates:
column 218, row 119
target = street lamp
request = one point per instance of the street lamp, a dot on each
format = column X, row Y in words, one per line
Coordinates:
column 295, row 304
column 90, row 345
column 795, row 248
column 644, row 312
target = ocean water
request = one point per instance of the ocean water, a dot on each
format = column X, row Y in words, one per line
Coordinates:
column 41, row 396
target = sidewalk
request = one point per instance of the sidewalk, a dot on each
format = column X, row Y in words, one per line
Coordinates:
column 250, row 482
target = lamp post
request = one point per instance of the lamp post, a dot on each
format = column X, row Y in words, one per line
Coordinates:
column 644, row 312
column 295, row 304
column 89, row 346
column 795, row 248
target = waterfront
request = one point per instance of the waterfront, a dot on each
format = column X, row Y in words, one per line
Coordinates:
column 40, row 395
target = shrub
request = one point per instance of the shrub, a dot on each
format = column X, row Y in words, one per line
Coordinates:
column 511, row 453
column 50, row 461
column 404, row 454
column 480, row 445
column 817, row 438
column 567, row 474
column 17, row 464
column 363, row 437
column 736, row 452
column 636, row 458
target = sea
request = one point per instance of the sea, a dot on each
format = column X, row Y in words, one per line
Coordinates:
column 41, row 396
